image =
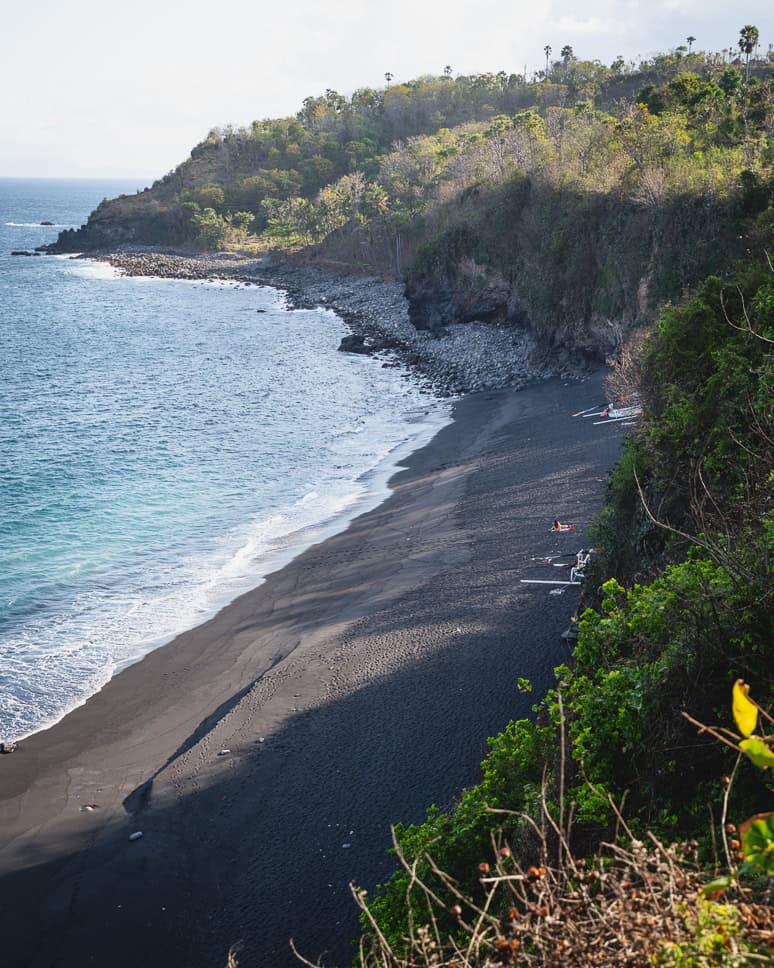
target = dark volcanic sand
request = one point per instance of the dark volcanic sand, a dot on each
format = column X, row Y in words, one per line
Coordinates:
column 353, row 688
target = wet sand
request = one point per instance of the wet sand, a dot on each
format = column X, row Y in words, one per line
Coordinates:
column 353, row 688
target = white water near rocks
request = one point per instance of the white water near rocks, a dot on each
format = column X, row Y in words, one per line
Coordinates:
column 163, row 445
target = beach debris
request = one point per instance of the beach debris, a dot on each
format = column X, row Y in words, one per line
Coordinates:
column 7, row 747
column 224, row 752
column 261, row 739
column 89, row 807
column 136, row 835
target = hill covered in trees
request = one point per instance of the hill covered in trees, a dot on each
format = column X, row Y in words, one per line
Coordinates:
column 495, row 196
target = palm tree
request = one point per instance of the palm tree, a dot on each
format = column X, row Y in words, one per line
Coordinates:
column 691, row 42
column 567, row 53
column 547, row 52
column 388, row 77
column 447, row 71
column 748, row 40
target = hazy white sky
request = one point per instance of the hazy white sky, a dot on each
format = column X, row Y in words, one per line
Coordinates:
column 95, row 88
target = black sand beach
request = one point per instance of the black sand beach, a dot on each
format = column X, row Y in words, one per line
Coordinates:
column 353, row 688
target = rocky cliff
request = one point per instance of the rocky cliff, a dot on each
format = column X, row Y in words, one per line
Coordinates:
column 577, row 272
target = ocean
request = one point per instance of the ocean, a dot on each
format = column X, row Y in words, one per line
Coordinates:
column 163, row 446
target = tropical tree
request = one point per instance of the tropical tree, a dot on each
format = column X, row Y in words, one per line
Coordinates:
column 447, row 71
column 547, row 52
column 388, row 77
column 748, row 40
column 618, row 65
column 691, row 41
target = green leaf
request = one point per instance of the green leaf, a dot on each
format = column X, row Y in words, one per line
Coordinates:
column 757, row 751
column 716, row 887
column 758, row 842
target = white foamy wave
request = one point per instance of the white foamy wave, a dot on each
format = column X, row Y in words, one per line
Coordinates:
column 271, row 542
column 88, row 268
column 107, row 629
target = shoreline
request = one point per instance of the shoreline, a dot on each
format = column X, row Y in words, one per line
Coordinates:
column 375, row 490
column 352, row 688
column 461, row 359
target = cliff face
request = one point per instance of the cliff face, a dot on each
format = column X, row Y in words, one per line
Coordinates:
column 462, row 292
column 119, row 221
column 574, row 264
column 577, row 272
column 466, row 292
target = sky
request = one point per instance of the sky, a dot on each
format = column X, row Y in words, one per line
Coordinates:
column 93, row 88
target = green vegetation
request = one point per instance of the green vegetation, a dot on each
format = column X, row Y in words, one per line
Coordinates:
column 576, row 202
column 394, row 160
column 688, row 532
column 634, row 902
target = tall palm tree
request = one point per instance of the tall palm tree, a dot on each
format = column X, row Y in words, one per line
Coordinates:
column 691, row 42
column 547, row 52
column 748, row 40
column 388, row 77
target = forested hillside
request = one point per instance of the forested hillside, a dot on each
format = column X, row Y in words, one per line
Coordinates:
column 493, row 195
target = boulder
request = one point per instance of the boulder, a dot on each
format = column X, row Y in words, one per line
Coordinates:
column 354, row 343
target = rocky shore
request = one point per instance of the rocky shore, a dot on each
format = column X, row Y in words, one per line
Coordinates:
column 458, row 359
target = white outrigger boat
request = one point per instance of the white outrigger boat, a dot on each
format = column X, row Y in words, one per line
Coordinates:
column 611, row 413
column 577, row 572
column 620, row 413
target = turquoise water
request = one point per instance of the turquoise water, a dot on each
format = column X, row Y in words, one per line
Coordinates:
column 163, row 445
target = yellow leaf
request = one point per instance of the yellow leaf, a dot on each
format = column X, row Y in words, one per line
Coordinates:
column 745, row 712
